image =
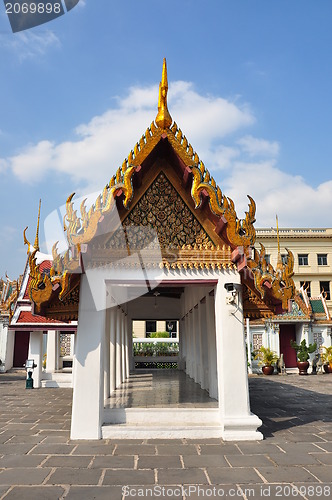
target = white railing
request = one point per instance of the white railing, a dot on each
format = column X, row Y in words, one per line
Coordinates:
column 156, row 350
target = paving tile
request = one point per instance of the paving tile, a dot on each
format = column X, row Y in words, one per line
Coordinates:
column 286, row 474
column 52, row 449
column 94, row 449
column 158, row 462
column 170, row 449
column 223, row 449
column 135, row 449
column 113, row 462
column 181, row 476
column 324, row 446
column 35, row 492
column 197, row 492
column 300, row 448
column 324, row 458
column 235, row 475
column 23, row 475
column 55, row 439
column 292, row 458
column 70, row 475
column 304, row 438
column 204, row 461
column 323, row 472
column 129, row 477
column 3, row 490
column 93, row 492
column 162, row 441
column 15, row 449
column 11, row 461
column 248, row 460
column 254, row 448
column 68, row 461
column 26, row 439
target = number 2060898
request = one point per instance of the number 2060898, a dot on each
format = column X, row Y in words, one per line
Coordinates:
column 33, row 8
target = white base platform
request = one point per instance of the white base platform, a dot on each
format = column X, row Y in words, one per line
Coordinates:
column 180, row 423
column 57, row 379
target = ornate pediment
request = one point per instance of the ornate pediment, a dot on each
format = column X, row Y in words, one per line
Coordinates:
column 161, row 210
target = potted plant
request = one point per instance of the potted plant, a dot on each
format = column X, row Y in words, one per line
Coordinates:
column 302, row 352
column 267, row 358
column 326, row 357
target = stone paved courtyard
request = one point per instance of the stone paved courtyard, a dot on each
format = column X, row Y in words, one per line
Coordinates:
column 38, row 460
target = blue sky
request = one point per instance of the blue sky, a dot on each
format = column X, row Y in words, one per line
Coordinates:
column 250, row 86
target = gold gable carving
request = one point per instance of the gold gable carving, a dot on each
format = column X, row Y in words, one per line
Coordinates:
column 163, row 209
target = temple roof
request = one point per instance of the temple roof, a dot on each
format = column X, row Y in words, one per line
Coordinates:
column 182, row 168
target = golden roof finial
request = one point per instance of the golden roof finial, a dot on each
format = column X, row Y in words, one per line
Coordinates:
column 163, row 118
column 36, row 245
column 279, row 261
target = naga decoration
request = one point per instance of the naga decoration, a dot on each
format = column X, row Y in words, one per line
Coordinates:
column 279, row 282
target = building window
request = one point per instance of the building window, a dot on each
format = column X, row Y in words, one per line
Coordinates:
column 268, row 258
column 303, row 259
column 322, row 259
column 150, row 327
column 307, row 286
column 284, row 258
column 257, row 341
column 171, row 328
column 325, row 288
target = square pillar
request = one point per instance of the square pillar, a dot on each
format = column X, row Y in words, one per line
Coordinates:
column 88, row 394
column 113, row 361
column 118, row 375
column 52, row 351
column 107, row 356
column 36, row 353
column 211, row 340
column 238, row 423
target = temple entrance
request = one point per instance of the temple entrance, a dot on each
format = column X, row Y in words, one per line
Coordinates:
column 21, row 348
column 287, row 333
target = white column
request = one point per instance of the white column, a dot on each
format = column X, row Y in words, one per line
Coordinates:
column 190, row 344
column 204, row 359
column 112, row 348
column 36, row 353
column 211, row 339
column 248, row 346
column 127, row 345
column 123, row 348
column 182, row 345
column 107, row 356
column 118, row 348
column 237, row 421
column 88, row 394
column 52, row 351
column 130, row 344
column 197, row 366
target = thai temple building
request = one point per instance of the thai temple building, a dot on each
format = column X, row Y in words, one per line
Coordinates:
column 161, row 243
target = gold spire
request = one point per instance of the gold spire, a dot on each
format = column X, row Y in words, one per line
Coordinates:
column 279, row 261
column 36, row 245
column 163, row 118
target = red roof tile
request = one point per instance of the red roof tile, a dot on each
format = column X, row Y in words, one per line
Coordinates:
column 28, row 317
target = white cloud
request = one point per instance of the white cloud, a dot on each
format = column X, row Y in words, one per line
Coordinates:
column 241, row 165
column 103, row 143
column 30, row 44
column 258, row 147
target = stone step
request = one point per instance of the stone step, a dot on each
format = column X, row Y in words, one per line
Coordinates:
column 57, row 379
column 162, row 416
column 156, row 431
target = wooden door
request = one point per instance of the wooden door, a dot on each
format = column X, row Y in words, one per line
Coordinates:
column 21, row 348
column 287, row 333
